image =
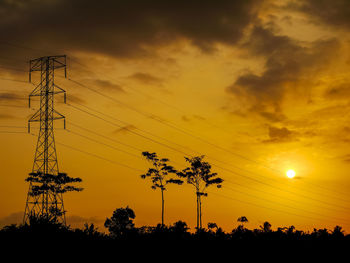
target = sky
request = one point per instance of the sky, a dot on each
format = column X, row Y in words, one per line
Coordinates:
column 258, row 87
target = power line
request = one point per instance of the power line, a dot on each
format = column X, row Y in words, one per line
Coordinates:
column 268, row 200
column 176, row 108
column 185, row 147
column 131, row 131
column 151, row 97
column 87, row 68
column 181, row 130
column 95, row 155
column 264, row 207
column 238, row 174
column 107, row 145
column 175, row 126
column 278, row 203
column 223, row 168
column 105, row 137
column 225, row 180
column 244, row 193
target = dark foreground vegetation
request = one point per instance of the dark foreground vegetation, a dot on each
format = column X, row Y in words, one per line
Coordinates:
column 122, row 231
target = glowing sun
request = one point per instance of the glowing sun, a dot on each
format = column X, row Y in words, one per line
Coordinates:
column 290, row 173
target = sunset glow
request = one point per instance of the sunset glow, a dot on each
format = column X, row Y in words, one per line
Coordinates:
column 260, row 89
column 290, row 173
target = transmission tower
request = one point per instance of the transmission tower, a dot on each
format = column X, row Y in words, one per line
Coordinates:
column 49, row 202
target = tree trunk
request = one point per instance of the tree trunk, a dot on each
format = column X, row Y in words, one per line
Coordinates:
column 197, row 211
column 162, row 207
column 200, row 212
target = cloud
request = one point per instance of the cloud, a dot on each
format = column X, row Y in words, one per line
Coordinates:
column 14, row 218
column 188, row 118
column 75, row 98
column 335, row 13
column 280, row 135
column 6, row 96
column 123, row 29
column 185, row 118
column 106, row 84
column 273, row 116
column 288, row 68
column 339, row 91
column 146, row 78
column 125, row 129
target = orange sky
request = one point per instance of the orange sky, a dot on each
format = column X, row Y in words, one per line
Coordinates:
column 258, row 87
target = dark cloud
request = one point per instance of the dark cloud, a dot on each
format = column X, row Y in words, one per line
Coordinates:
column 75, row 99
column 339, row 91
column 6, row 96
column 185, row 118
column 123, row 28
column 335, row 13
column 273, row 116
column 188, row 118
column 279, row 135
column 198, row 117
column 146, row 78
column 106, row 84
column 288, row 65
column 125, row 129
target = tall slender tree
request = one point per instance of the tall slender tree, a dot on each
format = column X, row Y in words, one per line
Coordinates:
column 200, row 176
column 159, row 174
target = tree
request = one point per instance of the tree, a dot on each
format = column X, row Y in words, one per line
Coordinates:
column 56, row 184
column 121, row 222
column 200, row 176
column 242, row 220
column 266, row 227
column 158, row 174
column 180, row 227
column 212, row 226
column 338, row 232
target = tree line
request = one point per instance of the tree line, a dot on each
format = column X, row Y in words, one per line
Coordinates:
column 121, row 227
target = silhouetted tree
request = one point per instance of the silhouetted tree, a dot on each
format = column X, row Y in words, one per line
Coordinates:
column 56, row 184
column 266, row 227
column 212, row 226
column 158, row 174
column 242, row 220
column 290, row 230
column 200, row 176
column 121, row 222
column 338, row 232
column 91, row 230
column 180, row 227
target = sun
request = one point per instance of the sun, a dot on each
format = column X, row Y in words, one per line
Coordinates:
column 290, row 173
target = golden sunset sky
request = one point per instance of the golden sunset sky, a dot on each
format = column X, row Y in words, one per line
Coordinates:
column 258, row 87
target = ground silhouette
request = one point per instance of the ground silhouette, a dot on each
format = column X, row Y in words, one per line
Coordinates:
column 176, row 238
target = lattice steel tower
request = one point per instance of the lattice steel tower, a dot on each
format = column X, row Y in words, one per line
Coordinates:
column 45, row 160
